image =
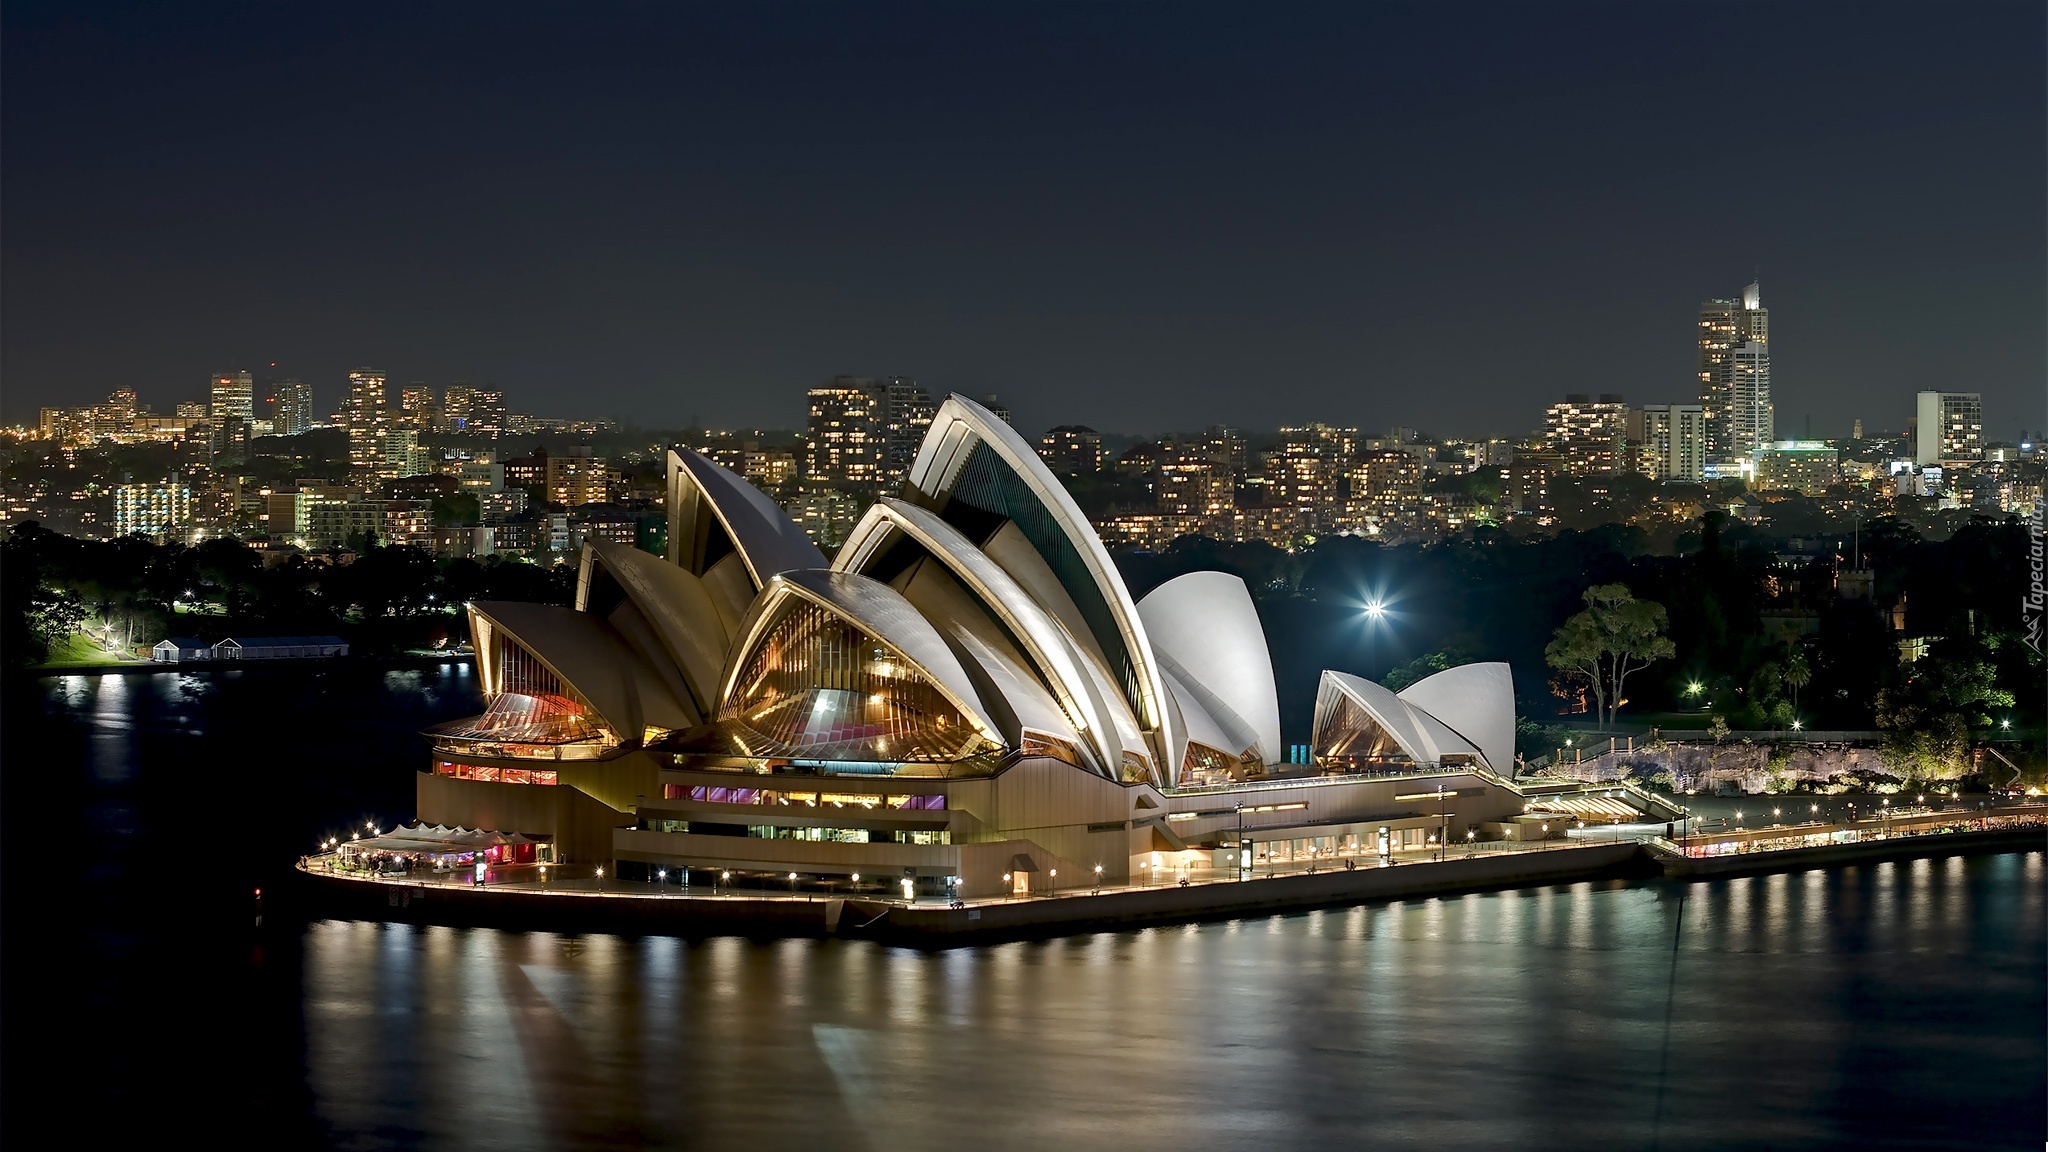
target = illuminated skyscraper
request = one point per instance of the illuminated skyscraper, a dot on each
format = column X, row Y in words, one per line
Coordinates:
column 1725, row 326
column 1751, row 421
column 1588, row 435
column 291, row 408
column 847, row 435
column 363, row 413
column 416, row 407
column 1674, row 441
column 233, row 408
column 1950, row 428
column 906, row 412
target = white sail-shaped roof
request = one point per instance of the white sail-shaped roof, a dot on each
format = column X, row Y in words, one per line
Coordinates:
column 1093, row 706
column 589, row 656
column 1477, row 701
column 975, row 471
column 1422, row 737
column 675, row 604
column 703, row 494
column 1205, row 629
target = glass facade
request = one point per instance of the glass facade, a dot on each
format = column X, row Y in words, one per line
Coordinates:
column 818, row 686
column 802, row 799
column 496, row 774
column 1349, row 733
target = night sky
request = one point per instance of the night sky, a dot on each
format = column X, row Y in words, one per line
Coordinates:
column 1136, row 216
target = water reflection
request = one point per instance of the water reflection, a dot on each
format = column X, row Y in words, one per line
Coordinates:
column 1462, row 1020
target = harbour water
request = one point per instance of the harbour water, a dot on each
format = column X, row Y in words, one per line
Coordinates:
column 1895, row 1005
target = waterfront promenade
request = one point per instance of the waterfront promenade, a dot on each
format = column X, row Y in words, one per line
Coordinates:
column 576, row 899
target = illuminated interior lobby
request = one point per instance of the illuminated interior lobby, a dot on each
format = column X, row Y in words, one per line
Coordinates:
column 966, row 697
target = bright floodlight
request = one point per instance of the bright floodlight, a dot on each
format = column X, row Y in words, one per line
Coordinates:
column 1375, row 609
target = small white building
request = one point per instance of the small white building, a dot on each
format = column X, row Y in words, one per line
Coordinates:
column 180, row 650
column 279, row 648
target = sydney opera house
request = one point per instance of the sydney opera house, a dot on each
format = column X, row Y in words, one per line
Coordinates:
column 966, row 697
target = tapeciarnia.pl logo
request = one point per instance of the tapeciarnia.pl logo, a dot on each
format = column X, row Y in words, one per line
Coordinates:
column 2031, row 606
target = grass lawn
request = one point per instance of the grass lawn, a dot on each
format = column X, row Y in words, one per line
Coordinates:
column 75, row 651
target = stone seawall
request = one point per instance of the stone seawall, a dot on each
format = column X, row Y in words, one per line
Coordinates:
column 1745, row 767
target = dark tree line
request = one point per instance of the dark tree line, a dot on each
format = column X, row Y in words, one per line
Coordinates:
column 130, row 592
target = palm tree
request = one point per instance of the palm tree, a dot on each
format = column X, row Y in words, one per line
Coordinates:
column 1797, row 675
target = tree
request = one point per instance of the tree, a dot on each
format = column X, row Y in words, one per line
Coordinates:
column 1614, row 636
column 1798, row 674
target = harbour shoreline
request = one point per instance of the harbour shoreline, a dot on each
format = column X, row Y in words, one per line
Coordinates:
column 319, row 895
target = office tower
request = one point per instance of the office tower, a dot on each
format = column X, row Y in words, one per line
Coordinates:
column 160, row 509
column 1856, row 430
column 1590, row 436
column 1674, row 441
column 233, row 407
column 416, row 408
column 291, row 408
column 846, row 438
column 907, row 410
column 1949, row 428
column 1071, row 449
column 1724, row 327
column 362, row 412
column 114, row 417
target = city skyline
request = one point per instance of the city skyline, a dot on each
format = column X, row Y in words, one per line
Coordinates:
column 1380, row 248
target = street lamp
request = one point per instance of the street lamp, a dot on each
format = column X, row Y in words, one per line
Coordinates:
column 1098, row 877
column 792, row 883
column 1055, row 881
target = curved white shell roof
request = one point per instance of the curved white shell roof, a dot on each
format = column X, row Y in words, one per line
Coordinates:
column 678, row 606
column 1092, row 703
column 1477, row 701
column 767, row 540
column 1206, row 631
column 1422, row 736
column 881, row 612
column 587, row 655
column 960, row 426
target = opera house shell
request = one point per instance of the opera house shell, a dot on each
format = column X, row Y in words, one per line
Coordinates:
column 966, row 697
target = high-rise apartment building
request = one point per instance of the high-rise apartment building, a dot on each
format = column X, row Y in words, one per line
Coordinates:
column 1071, row 449
column 846, row 434
column 1305, row 473
column 1387, row 482
column 1949, row 428
column 1672, row 440
column 1589, row 435
column 1724, row 327
column 1752, row 424
column 417, row 409
column 488, row 415
column 363, row 414
column 291, row 408
column 399, row 453
column 907, row 411
column 233, row 407
column 576, row 478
